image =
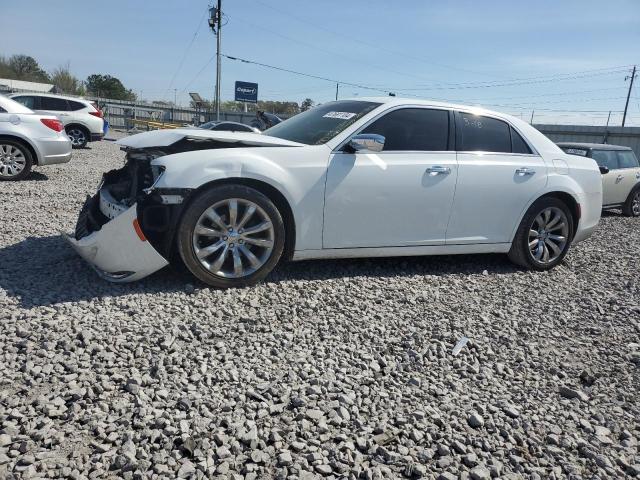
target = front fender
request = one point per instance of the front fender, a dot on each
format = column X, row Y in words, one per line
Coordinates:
column 297, row 173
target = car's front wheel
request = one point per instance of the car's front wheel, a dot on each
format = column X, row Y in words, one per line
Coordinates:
column 231, row 236
column 544, row 235
column 631, row 207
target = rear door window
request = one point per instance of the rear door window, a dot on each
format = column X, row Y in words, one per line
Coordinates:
column 627, row 159
column 518, row 145
column 606, row 158
column 413, row 129
column 475, row 133
column 54, row 104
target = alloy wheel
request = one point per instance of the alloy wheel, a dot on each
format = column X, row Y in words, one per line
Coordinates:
column 12, row 160
column 635, row 204
column 233, row 238
column 77, row 137
column 548, row 235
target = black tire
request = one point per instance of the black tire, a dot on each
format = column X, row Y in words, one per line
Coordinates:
column 520, row 252
column 631, row 207
column 194, row 213
column 78, row 135
column 7, row 145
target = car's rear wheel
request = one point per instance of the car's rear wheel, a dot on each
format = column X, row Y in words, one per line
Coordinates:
column 544, row 235
column 15, row 160
column 231, row 236
column 631, row 207
column 79, row 136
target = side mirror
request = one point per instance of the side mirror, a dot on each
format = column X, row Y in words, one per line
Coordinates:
column 366, row 141
column 604, row 170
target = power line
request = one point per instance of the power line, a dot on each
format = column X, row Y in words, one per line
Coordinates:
column 370, row 45
column 184, row 55
column 335, row 54
column 273, row 67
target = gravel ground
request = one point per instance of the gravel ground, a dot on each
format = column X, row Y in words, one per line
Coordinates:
column 333, row 369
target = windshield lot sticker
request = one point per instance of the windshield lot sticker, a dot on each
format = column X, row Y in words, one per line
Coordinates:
column 341, row 115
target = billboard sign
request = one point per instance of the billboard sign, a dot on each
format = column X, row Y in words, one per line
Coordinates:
column 246, row 92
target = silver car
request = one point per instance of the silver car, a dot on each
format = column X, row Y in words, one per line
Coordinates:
column 28, row 139
column 620, row 174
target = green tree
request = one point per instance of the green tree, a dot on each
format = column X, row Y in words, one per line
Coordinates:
column 306, row 104
column 65, row 81
column 108, row 87
column 23, row 67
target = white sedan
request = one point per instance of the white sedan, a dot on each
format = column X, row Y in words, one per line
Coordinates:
column 356, row 178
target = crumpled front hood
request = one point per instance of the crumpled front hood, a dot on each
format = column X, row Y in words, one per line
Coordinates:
column 164, row 138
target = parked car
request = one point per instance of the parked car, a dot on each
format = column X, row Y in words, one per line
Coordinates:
column 354, row 178
column 83, row 120
column 28, row 139
column 265, row 120
column 225, row 126
column 620, row 174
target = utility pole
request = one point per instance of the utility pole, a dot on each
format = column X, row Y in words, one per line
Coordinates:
column 608, row 118
column 337, row 88
column 215, row 18
column 626, row 105
column 531, row 121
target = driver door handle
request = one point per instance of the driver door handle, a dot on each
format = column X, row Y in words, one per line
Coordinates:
column 438, row 170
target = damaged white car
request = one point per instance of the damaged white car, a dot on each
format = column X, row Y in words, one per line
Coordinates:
column 354, row 178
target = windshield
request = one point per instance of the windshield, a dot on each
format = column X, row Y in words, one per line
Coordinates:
column 322, row 123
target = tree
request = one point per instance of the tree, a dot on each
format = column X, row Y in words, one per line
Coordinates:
column 306, row 104
column 23, row 67
column 66, row 82
column 108, row 87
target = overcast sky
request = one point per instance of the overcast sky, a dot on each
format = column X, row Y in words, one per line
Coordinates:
column 569, row 57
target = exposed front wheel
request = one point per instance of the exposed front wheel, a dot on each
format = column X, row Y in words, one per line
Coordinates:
column 15, row 160
column 231, row 236
column 631, row 207
column 78, row 136
column 544, row 235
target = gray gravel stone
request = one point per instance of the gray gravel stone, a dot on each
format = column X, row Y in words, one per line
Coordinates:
column 330, row 368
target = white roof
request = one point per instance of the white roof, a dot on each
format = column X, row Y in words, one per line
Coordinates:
column 26, row 86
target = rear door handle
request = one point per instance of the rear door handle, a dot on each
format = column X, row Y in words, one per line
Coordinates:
column 438, row 170
column 523, row 171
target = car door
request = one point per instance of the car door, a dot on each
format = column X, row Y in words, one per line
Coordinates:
column 612, row 190
column 498, row 175
column 400, row 196
column 629, row 170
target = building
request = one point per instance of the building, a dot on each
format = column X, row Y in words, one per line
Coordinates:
column 8, row 85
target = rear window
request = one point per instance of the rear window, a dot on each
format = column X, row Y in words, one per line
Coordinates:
column 54, row 104
column 575, row 151
column 627, row 159
column 606, row 158
column 75, row 106
column 476, row 133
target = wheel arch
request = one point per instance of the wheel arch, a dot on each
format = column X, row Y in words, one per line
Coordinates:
column 26, row 143
column 272, row 193
column 567, row 198
column 78, row 125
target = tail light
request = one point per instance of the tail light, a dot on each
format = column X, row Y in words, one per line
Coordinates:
column 97, row 113
column 53, row 124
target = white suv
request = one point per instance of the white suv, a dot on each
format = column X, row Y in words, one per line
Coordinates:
column 82, row 119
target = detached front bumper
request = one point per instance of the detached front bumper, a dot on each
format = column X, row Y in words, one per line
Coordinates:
column 119, row 250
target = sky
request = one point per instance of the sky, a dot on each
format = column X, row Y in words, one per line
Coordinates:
column 562, row 61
